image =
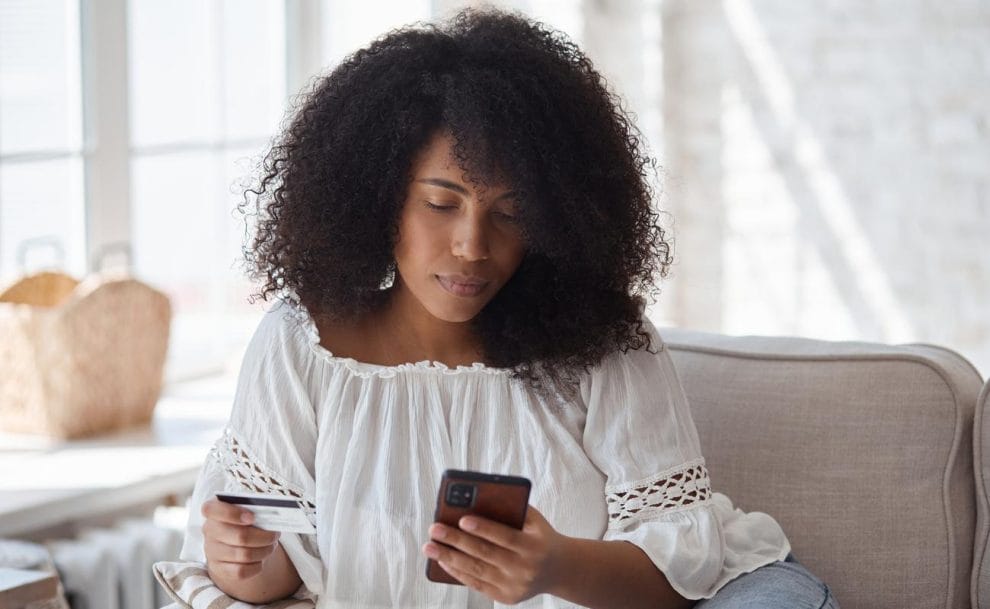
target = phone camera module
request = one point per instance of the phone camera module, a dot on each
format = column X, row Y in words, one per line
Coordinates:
column 461, row 495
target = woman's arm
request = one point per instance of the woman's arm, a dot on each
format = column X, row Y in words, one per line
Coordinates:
column 613, row 574
column 276, row 580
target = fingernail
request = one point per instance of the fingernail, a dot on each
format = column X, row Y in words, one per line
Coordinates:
column 469, row 524
column 439, row 533
column 247, row 517
column 432, row 551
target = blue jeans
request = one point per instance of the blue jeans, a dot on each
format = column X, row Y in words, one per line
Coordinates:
column 784, row 584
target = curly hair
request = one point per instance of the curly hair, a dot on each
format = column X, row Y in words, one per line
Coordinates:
column 523, row 103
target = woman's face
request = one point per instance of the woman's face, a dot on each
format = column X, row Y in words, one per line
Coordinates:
column 456, row 247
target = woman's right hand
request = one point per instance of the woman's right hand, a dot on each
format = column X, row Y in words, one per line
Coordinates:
column 235, row 550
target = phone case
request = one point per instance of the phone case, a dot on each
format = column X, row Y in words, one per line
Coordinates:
column 496, row 497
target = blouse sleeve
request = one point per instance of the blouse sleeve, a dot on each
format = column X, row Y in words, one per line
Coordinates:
column 269, row 444
column 639, row 432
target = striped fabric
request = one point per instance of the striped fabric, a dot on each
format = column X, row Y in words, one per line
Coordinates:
column 190, row 587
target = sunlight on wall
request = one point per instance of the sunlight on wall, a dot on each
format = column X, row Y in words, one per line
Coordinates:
column 352, row 25
column 830, row 202
column 775, row 281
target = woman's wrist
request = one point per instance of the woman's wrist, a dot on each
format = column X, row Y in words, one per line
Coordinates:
column 560, row 583
column 278, row 579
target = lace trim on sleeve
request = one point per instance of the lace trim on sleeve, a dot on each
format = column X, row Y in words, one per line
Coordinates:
column 251, row 475
column 681, row 487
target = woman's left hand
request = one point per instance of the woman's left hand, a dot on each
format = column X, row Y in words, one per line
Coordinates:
column 505, row 564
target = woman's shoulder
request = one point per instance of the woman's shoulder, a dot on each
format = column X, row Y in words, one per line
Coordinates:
column 634, row 362
column 280, row 323
column 344, row 339
column 645, row 341
column 350, row 343
column 286, row 329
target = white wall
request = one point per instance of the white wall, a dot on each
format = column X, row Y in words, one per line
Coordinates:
column 828, row 169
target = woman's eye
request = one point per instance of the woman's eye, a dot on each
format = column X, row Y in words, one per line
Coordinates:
column 506, row 215
column 437, row 207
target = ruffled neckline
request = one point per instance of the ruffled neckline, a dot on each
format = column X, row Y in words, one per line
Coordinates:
column 366, row 369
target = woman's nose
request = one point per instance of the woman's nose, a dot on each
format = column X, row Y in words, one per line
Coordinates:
column 470, row 240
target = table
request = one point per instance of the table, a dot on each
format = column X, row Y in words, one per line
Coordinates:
column 45, row 483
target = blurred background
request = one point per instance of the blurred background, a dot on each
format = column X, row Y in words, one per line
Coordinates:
column 825, row 166
column 825, row 172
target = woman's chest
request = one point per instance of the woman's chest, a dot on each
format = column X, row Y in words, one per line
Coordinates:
column 384, row 465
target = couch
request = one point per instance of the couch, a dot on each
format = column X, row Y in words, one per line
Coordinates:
column 863, row 452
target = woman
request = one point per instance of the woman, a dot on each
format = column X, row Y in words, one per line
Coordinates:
column 457, row 227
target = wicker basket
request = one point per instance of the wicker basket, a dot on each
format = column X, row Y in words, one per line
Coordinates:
column 80, row 358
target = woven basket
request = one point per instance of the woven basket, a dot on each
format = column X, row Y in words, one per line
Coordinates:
column 80, row 358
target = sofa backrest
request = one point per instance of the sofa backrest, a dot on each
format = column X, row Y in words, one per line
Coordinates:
column 862, row 452
column 981, row 562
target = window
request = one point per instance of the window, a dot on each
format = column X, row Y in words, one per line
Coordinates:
column 207, row 89
column 42, row 222
column 137, row 122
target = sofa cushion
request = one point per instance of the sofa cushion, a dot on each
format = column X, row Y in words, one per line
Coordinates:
column 863, row 453
column 981, row 562
column 189, row 585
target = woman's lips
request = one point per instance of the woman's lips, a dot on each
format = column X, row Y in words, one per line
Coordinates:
column 462, row 286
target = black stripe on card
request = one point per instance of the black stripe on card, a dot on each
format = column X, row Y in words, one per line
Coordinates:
column 282, row 503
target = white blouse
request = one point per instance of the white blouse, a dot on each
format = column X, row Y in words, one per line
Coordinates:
column 362, row 447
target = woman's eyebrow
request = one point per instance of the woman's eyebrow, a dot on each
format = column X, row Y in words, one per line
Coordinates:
column 457, row 187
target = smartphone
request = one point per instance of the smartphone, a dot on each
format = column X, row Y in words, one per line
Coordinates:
column 496, row 497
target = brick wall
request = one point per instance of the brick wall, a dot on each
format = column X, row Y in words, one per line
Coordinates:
column 827, row 167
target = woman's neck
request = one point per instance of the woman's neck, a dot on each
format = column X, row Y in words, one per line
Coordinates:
column 411, row 333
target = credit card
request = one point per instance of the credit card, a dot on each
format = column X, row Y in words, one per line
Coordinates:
column 272, row 512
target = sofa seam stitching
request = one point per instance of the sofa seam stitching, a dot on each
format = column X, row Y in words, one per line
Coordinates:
column 981, row 507
column 827, row 594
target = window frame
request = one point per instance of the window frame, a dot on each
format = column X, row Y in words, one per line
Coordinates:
column 106, row 151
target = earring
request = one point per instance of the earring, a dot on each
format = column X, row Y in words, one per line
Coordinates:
column 389, row 279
